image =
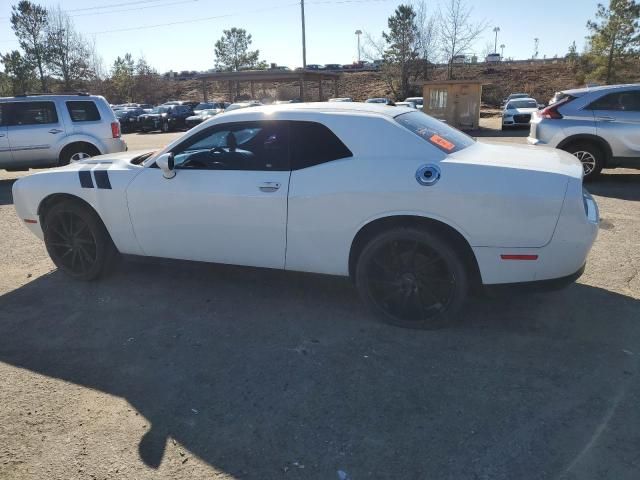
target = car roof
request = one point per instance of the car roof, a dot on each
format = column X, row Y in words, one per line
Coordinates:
column 328, row 107
column 65, row 96
column 577, row 92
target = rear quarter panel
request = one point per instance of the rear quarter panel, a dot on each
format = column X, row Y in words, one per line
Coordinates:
column 490, row 205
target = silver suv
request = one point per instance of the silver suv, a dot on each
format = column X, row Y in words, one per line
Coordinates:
column 599, row 125
column 50, row 130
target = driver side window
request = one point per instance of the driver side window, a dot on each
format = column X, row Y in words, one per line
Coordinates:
column 237, row 146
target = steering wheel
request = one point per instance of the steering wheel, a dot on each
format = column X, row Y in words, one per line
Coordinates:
column 217, row 150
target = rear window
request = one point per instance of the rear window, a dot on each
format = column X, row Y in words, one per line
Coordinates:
column 83, row 111
column 34, row 113
column 313, row 143
column 437, row 133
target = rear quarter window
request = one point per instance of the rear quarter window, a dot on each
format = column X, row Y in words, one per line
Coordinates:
column 34, row 113
column 83, row 111
column 313, row 143
column 437, row 133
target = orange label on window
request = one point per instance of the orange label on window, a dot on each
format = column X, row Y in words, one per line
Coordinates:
column 446, row 144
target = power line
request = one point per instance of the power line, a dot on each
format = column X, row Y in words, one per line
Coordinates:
column 148, row 7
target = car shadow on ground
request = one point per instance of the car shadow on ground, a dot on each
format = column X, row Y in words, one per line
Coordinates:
column 6, row 197
column 252, row 370
column 624, row 186
column 491, row 132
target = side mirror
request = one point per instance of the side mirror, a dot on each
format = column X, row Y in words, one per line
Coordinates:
column 166, row 163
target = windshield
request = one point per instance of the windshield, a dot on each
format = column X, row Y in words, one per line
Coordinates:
column 437, row 133
column 522, row 104
column 160, row 110
column 202, row 106
column 120, row 113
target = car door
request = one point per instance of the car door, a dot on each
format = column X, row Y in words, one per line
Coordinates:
column 34, row 131
column 227, row 202
column 5, row 151
column 618, row 122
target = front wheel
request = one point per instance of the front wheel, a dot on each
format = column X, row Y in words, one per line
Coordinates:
column 77, row 241
column 412, row 278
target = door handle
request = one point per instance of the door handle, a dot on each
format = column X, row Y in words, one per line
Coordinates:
column 55, row 130
column 269, row 187
column 606, row 119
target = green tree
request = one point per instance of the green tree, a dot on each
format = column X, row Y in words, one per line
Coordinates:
column 18, row 70
column 29, row 22
column 401, row 50
column 615, row 34
column 122, row 77
column 572, row 55
column 232, row 51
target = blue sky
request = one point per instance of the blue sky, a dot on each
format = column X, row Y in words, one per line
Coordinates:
column 275, row 26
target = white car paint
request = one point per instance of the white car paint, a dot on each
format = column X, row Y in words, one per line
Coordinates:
column 502, row 200
column 515, row 107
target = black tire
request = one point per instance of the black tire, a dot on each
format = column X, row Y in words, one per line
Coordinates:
column 77, row 151
column 412, row 278
column 77, row 241
column 590, row 155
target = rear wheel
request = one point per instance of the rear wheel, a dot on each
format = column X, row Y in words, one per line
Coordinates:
column 77, row 152
column 590, row 155
column 77, row 241
column 412, row 278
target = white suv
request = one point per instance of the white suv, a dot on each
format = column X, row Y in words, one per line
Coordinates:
column 51, row 130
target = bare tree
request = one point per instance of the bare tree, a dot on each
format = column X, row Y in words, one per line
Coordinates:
column 457, row 32
column 427, row 37
column 68, row 50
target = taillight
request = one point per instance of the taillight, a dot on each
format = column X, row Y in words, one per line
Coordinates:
column 552, row 110
column 115, row 129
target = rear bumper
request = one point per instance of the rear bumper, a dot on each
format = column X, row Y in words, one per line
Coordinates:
column 114, row 145
column 563, row 257
column 539, row 285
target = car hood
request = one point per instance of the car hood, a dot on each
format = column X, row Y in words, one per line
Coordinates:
column 522, row 157
column 517, row 111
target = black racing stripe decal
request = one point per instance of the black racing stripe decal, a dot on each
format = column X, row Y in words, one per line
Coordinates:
column 85, row 179
column 102, row 179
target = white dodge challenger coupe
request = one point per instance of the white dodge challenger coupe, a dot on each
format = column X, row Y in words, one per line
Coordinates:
column 414, row 211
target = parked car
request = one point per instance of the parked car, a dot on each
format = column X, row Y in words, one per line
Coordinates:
column 341, row 99
column 165, row 118
column 458, row 59
column 220, row 106
column 493, row 58
column 406, row 104
column 517, row 113
column 418, row 101
column 599, row 125
column 128, row 118
column 385, row 101
column 415, row 212
column 514, row 96
column 314, row 66
column 333, row 66
column 239, row 105
column 49, row 130
column 201, row 116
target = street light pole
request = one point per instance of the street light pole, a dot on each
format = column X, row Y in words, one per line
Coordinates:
column 495, row 45
column 304, row 42
column 358, row 33
column 502, row 50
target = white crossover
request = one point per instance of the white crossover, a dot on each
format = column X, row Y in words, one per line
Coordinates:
column 414, row 211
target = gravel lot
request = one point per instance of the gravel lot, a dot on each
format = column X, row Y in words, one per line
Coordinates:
column 201, row 371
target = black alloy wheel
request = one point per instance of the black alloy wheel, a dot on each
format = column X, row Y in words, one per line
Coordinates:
column 77, row 241
column 412, row 278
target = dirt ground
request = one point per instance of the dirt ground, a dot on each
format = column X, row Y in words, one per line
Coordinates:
column 197, row 371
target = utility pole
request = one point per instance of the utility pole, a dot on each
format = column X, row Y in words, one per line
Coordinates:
column 304, row 42
column 495, row 45
column 358, row 33
column 536, row 44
